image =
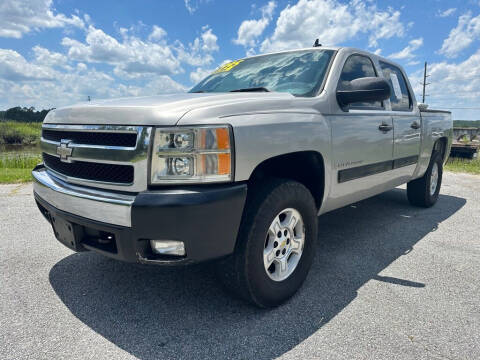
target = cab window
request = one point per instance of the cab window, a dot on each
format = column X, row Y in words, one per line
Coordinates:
column 358, row 66
column 400, row 98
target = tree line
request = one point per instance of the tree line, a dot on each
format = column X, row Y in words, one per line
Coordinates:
column 24, row 114
column 466, row 123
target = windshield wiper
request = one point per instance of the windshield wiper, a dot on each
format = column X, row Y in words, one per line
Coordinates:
column 253, row 89
column 197, row 92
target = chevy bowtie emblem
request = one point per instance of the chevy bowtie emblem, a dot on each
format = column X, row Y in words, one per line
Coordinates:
column 64, row 150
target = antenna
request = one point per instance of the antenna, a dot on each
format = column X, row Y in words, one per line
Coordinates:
column 317, row 43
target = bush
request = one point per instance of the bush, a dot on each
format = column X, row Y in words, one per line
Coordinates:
column 12, row 132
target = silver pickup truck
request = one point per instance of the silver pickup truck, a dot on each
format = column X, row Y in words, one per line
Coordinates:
column 238, row 169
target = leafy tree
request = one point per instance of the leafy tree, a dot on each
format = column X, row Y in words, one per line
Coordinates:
column 24, row 114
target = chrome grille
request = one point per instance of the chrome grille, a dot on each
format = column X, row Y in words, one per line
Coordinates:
column 111, row 173
column 92, row 138
column 102, row 156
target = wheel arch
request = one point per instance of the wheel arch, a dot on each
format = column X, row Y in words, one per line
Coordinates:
column 306, row 167
column 441, row 146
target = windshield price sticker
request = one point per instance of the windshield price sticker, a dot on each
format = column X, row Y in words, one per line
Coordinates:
column 396, row 86
column 227, row 67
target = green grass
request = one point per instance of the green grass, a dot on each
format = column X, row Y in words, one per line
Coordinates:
column 463, row 165
column 12, row 132
column 16, row 162
column 16, row 168
column 14, row 176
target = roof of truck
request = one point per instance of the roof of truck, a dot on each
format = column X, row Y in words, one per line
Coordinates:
column 334, row 48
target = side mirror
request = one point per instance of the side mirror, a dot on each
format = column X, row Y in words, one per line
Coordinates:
column 367, row 89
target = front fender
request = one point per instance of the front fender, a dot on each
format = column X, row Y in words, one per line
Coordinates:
column 260, row 137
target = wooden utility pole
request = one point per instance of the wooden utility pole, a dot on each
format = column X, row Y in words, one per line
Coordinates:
column 425, row 82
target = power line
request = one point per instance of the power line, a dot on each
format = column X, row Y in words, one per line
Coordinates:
column 424, row 82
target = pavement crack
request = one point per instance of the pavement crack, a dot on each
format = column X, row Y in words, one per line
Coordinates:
column 15, row 190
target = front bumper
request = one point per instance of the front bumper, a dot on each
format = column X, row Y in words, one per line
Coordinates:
column 121, row 226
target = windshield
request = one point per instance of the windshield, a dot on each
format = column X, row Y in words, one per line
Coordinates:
column 299, row 73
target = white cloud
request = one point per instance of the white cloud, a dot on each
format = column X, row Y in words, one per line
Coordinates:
column 131, row 65
column 250, row 30
column 45, row 57
column 157, row 34
column 43, row 86
column 131, row 56
column 407, row 52
column 199, row 52
column 193, row 5
column 332, row 22
column 452, row 84
column 199, row 74
column 446, row 13
column 40, row 85
column 460, row 37
column 209, row 40
column 191, row 8
column 14, row 67
column 19, row 17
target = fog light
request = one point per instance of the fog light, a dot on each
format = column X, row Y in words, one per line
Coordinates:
column 168, row 247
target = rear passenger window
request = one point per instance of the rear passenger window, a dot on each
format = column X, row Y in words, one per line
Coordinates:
column 400, row 97
column 358, row 66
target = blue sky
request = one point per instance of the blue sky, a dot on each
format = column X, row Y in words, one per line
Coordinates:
column 55, row 53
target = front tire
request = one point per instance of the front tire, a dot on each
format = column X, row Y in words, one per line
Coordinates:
column 424, row 192
column 275, row 246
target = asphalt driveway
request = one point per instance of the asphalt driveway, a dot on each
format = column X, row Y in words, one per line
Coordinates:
column 389, row 282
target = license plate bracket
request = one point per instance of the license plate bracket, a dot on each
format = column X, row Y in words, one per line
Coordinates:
column 65, row 232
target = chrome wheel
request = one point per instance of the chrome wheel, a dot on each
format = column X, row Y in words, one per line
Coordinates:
column 434, row 179
column 284, row 244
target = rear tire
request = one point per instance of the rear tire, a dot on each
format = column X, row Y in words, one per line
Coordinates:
column 268, row 236
column 424, row 192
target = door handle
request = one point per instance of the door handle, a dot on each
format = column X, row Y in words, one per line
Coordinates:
column 415, row 125
column 385, row 127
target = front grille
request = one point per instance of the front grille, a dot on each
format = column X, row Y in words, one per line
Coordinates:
column 113, row 157
column 112, row 173
column 92, row 138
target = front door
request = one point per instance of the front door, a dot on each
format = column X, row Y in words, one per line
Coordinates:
column 362, row 142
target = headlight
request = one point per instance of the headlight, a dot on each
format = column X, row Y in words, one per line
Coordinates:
column 191, row 155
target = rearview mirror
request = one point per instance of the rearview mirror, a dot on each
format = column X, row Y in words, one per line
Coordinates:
column 367, row 89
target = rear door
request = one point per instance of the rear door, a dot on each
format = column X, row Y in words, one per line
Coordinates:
column 406, row 122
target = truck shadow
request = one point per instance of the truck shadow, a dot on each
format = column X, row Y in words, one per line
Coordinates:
column 178, row 313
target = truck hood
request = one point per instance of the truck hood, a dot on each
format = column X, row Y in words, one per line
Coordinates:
column 165, row 110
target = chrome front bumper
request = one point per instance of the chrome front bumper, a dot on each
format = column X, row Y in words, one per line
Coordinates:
column 103, row 206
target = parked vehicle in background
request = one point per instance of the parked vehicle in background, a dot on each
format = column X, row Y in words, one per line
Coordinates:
column 238, row 169
column 466, row 142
